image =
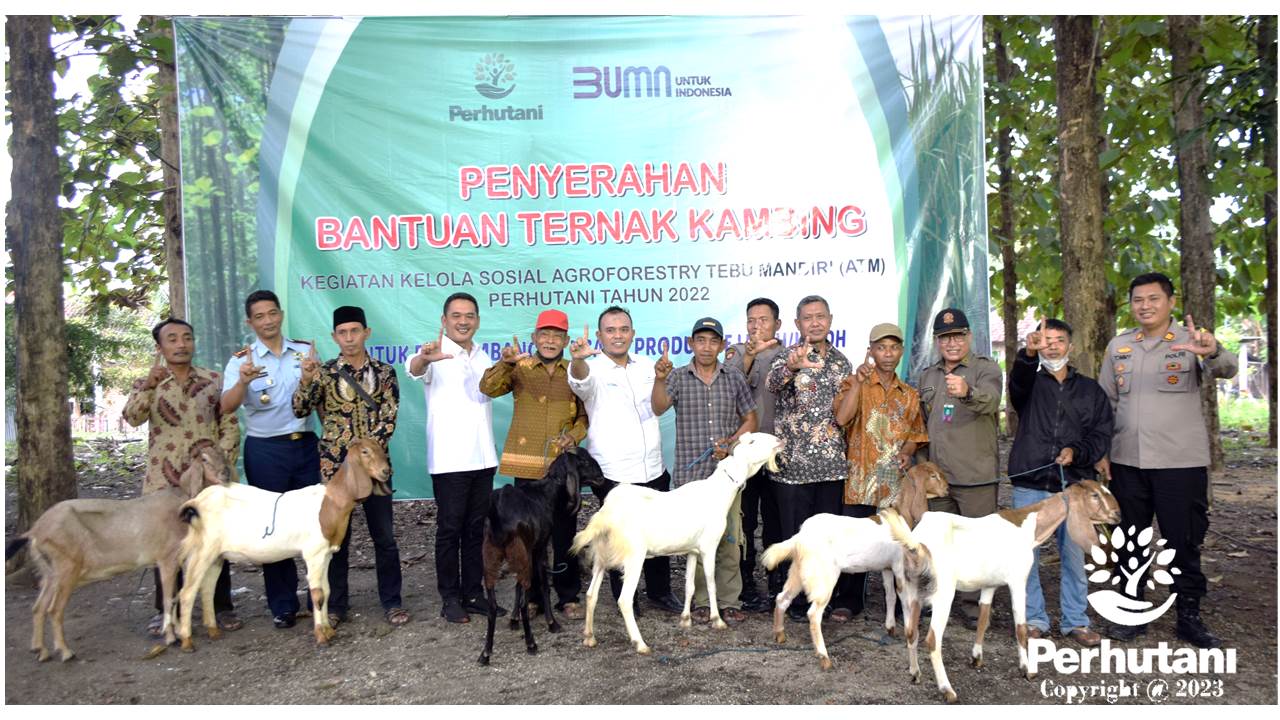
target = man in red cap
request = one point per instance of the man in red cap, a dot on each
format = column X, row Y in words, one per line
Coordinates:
column 548, row 419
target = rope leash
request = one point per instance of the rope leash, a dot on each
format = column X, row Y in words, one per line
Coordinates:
column 1062, row 476
column 701, row 457
column 271, row 529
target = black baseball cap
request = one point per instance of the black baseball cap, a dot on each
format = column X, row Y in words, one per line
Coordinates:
column 950, row 320
column 708, row 323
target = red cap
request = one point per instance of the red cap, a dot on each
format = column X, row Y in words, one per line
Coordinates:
column 552, row 319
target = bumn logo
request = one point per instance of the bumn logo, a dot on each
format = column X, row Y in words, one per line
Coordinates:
column 496, row 75
column 1126, row 608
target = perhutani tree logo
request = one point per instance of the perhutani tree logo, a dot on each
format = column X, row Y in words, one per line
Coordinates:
column 496, row 76
column 1128, row 607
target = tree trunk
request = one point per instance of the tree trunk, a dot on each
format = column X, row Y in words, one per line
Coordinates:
column 167, row 87
column 1267, row 58
column 1005, row 232
column 33, row 232
column 1106, row 328
column 1191, row 149
column 1080, row 187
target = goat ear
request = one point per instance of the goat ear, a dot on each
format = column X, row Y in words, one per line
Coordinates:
column 914, row 500
column 573, row 481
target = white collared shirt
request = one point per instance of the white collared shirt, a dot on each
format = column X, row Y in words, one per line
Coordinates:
column 622, row 434
column 459, row 416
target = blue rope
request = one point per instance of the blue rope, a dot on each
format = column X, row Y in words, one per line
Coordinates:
column 270, row 530
column 1062, row 476
column 701, row 457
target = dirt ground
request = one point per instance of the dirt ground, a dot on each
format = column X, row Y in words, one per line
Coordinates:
column 431, row 661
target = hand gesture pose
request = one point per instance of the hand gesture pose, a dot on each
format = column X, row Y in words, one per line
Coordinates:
column 433, row 351
column 798, row 358
column 957, row 387
column 1035, row 341
column 1202, row 341
column 662, row 368
column 310, row 366
column 511, row 354
column 248, row 371
column 581, row 348
column 867, row 369
column 159, row 371
column 757, row 345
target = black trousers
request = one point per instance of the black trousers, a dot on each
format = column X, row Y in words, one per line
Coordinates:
column 386, row 557
column 462, row 500
column 1178, row 497
column 280, row 464
column 565, row 574
column 797, row 503
column 851, row 589
column 759, row 508
column 221, row 591
column 657, row 570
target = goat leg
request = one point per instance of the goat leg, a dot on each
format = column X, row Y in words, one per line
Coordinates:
column 890, row 598
column 39, row 609
column 933, row 641
column 984, row 620
column 168, row 581
column 790, row 589
column 544, row 582
column 492, row 617
column 522, row 595
column 626, row 602
column 1018, row 601
column 912, row 622
column 709, row 576
column 60, row 598
column 317, row 627
column 593, row 595
column 690, row 579
column 207, row 588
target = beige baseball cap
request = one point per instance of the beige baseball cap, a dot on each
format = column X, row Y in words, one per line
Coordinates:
column 884, row 330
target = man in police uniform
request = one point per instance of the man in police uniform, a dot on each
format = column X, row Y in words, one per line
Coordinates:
column 280, row 450
column 1160, row 451
column 753, row 359
column 960, row 396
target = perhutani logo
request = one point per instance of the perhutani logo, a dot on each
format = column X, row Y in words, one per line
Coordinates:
column 1127, row 607
column 495, row 75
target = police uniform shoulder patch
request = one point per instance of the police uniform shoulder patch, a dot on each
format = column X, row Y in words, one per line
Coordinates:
column 1168, row 336
column 730, row 352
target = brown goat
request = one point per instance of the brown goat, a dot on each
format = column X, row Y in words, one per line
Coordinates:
column 77, row 542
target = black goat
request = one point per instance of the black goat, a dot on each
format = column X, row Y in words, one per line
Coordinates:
column 518, row 528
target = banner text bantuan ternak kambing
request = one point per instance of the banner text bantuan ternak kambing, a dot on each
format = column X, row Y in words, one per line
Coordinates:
column 588, row 181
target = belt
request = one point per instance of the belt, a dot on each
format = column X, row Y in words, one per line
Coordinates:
column 292, row 436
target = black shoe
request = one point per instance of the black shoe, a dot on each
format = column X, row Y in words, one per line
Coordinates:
column 284, row 621
column 798, row 614
column 480, row 606
column 668, row 602
column 758, row 604
column 1190, row 627
column 1126, row 633
column 453, row 612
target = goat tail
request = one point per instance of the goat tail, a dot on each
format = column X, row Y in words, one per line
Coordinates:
column 778, row 553
column 594, row 529
column 919, row 562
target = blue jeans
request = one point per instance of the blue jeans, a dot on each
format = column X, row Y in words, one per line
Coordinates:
column 1073, row 595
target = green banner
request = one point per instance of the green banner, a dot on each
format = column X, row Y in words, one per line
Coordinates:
column 677, row 166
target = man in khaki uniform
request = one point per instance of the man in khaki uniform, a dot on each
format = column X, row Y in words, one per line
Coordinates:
column 960, row 396
column 1160, row 451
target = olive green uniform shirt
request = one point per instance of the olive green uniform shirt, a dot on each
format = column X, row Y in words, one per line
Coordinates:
column 1155, row 392
column 965, row 446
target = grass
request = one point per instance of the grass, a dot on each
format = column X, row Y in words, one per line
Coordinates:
column 1246, row 414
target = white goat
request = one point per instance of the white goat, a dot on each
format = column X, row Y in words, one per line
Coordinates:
column 987, row 552
column 638, row 522
column 77, row 542
column 828, row 545
column 246, row 524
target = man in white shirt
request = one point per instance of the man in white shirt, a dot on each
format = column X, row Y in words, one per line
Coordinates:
column 460, row 453
column 622, row 432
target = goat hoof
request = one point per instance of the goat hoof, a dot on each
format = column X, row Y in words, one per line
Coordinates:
column 531, row 649
column 67, row 655
column 155, row 652
column 554, row 627
column 686, row 621
column 949, row 695
column 188, row 646
column 215, row 633
column 515, row 624
column 780, row 637
column 589, row 642
column 1031, row 676
column 720, row 624
column 915, row 678
column 891, row 631
column 43, row 656
column 825, row 663
column 977, row 661
column 644, row 649
column 484, row 660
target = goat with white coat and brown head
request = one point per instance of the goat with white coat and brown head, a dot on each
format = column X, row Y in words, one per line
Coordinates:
column 984, row 553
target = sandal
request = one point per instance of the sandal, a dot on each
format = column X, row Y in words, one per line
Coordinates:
column 397, row 616
column 701, row 614
column 733, row 614
column 841, row 615
column 228, row 621
column 155, row 628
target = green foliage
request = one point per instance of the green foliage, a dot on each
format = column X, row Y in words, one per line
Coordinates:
column 1247, row 414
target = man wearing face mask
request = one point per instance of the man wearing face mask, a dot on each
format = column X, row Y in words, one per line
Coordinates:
column 1064, row 418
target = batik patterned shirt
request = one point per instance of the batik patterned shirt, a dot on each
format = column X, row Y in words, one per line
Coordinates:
column 181, row 417
column 344, row 415
column 814, row 449
column 885, row 420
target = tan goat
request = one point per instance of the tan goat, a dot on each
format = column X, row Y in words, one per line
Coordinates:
column 77, row 542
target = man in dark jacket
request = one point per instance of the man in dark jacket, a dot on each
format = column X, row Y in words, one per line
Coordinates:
column 1064, row 420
